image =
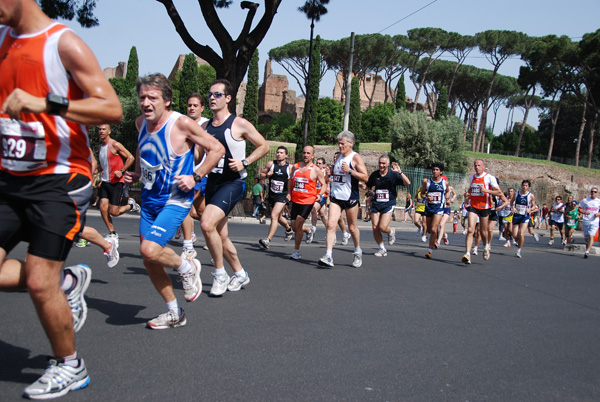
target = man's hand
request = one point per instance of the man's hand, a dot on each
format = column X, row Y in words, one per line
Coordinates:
column 235, row 165
column 20, row 101
column 131, row 178
column 185, row 182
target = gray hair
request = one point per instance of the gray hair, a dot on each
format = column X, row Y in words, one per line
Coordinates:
column 161, row 82
column 385, row 157
column 347, row 135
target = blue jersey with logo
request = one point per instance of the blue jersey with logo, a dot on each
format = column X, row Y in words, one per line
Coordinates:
column 159, row 166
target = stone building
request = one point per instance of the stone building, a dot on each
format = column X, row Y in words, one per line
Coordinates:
column 275, row 97
column 116, row 72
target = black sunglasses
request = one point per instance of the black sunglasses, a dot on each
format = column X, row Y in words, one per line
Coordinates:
column 217, row 95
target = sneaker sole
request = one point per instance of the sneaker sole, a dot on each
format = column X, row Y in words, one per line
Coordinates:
column 73, row 387
column 324, row 264
column 466, row 260
column 197, row 276
column 238, row 288
column 177, row 325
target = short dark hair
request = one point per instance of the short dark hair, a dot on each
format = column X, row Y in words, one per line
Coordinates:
column 438, row 165
column 526, row 181
column 226, row 83
column 284, row 148
column 200, row 97
column 161, row 82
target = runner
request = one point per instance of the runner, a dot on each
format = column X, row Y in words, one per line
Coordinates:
column 557, row 220
column 480, row 205
column 442, row 235
column 437, row 192
column 348, row 170
column 226, row 185
column 112, row 169
column 278, row 172
column 590, row 209
column 51, row 89
column 165, row 164
column 523, row 205
column 318, row 210
column 303, row 193
column 408, row 207
column 385, row 182
column 420, row 221
column 571, row 217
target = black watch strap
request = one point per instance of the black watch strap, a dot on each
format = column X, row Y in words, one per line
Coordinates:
column 197, row 177
column 56, row 103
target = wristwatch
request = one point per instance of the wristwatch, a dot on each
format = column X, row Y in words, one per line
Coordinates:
column 245, row 163
column 56, row 103
column 197, row 177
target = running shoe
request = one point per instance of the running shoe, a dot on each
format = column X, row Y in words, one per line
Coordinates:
column 295, row 255
column 189, row 254
column 311, row 235
column 135, row 207
column 466, row 259
column 465, row 232
column 264, row 243
column 192, row 285
column 289, row 234
column 436, row 245
column 178, row 233
column 428, row 255
column 237, row 282
column 326, row 261
column 501, row 238
column 474, row 252
column 564, row 242
column 507, row 244
column 219, row 285
column 586, row 255
column 381, row 253
column 58, row 379
column 424, row 239
column 551, row 242
column 486, row 254
column 392, row 236
column 194, row 238
column 536, row 237
column 114, row 236
column 446, row 241
column 81, row 243
column 357, row 262
column 514, row 242
column 419, row 231
column 112, row 255
column 518, row 253
column 170, row 319
column 345, row 237
column 82, row 274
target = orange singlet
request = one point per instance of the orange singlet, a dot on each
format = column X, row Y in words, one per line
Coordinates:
column 304, row 191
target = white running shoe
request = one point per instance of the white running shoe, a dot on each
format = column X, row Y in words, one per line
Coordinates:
column 326, row 261
column 507, row 244
column 112, row 255
column 345, row 237
column 381, row 253
column 486, row 254
column 82, row 275
column 113, row 236
column 311, row 235
column 237, row 282
column 264, row 243
column 135, row 207
column 474, row 252
column 178, row 233
column 424, row 239
column 392, row 236
column 192, row 285
column 551, row 242
column 170, row 319
column 357, row 262
column 58, row 379
column 188, row 254
column 295, row 255
column 501, row 238
column 219, row 285
column 518, row 253
column 289, row 234
column 536, row 237
column 515, row 242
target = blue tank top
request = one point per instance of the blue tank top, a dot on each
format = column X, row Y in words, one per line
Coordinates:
column 522, row 202
column 437, row 191
column 159, row 166
column 235, row 149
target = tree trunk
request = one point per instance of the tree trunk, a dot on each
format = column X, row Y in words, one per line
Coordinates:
column 554, row 117
column 466, row 126
column 592, row 129
column 580, row 135
column 522, row 130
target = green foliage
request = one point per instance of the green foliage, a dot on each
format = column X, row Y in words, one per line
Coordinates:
column 250, row 111
column 68, row 9
column 313, row 91
column 401, row 94
column 531, row 142
column 206, row 76
column 120, row 86
column 375, row 123
column 187, row 83
column 355, row 113
column 441, row 110
column 418, row 141
column 274, row 130
column 330, row 122
column 132, row 68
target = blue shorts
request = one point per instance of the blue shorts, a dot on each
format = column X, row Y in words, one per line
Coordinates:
column 433, row 209
column 225, row 195
column 160, row 226
column 518, row 219
column 323, row 201
column 382, row 207
column 201, row 186
column 447, row 211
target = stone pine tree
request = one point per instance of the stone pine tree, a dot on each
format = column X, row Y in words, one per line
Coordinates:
column 132, row 68
column 441, row 108
column 251, row 112
column 188, row 81
column 401, row 94
column 354, row 118
column 313, row 91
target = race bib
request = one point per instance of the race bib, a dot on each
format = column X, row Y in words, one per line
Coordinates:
column 23, row 145
column 435, row 197
column 476, row 189
column 382, row 195
column 521, row 209
column 219, row 168
column 149, row 173
column 571, row 222
column 300, row 184
column 277, row 186
column 337, row 178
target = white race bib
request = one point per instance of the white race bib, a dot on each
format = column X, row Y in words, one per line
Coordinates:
column 219, row 168
column 435, row 197
column 149, row 173
column 277, row 186
column 23, row 145
column 382, row 195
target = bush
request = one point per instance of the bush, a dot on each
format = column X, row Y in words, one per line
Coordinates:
column 375, row 123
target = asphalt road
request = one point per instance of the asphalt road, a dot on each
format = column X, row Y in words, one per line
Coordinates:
column 401, row 328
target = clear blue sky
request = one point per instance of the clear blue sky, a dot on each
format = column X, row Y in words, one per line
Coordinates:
column 145, row 25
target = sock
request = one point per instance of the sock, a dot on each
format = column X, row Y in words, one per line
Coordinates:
column 381, row 246
column 68, row 282
column 71, row 360
column 188, row 244
column 430, row 250
column 518, row 250
column 358, row 250
column 296, row 250
column 173, row 306
column 475, row 248
column 313, row 228
column 468, row 254
column 220, row 271
column 328, row 253
column 185, row 267
column 241, row 274
column 345, row 234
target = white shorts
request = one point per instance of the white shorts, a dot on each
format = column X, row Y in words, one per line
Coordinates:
column 589, row 229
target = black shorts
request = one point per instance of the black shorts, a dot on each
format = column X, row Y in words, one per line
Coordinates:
column 559, row 225
column 45, row 211
column 300, row 209
column 224, row 195
column 345, row 204
column 482, row 213
column 111, row 191
column 276, row 197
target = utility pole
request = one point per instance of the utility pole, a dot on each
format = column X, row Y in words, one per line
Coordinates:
column 307, row 101
column 348, row 86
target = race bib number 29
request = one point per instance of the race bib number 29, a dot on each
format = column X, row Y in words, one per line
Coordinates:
column 23, row 145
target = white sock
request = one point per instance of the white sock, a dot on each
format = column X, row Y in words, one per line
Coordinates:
column 173, row 306
column 328, row 253
column 220, row 271
column 71, row 360
column 430, row 250
column 185, row 267
column 241, row 274
column 358, row 250
column 188, row 244
column 67, row 282
column 381, row 246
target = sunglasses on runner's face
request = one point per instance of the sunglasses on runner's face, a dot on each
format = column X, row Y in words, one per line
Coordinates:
column 594, row 191
column 216, row 95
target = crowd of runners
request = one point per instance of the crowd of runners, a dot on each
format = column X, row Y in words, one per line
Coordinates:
column 190, row 168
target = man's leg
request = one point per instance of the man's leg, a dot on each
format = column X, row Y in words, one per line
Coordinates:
column 105, row 215
column 276, row 217
column 376, row 229
column 433, row 223
column 352, row 217
column 156, row 259
column 212, row 218
column 483, row 230
column 471, row 223
column 335, row 213
column 299, row 230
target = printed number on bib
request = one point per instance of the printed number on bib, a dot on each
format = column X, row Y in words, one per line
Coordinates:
column 219, row 168
column 300, row 184
column 382, row 195
column 476, row 190
column 23, row 145
column 435, row 197
column 149, row 173
column 277, row 186
column 521, row 209
column 571, row 222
